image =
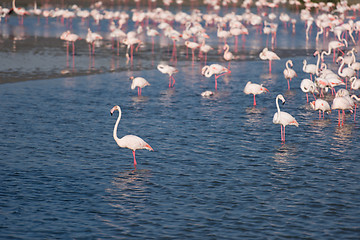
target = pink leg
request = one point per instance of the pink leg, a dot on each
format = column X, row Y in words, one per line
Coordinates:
column 216, row 82
column 284, row 133
column 314, row 96
column 288, row 84
column 269, row 66
column 307, row 98
column 170, row 82
column 254, row 100
column 134, row 159
column 355, row 113
column 339, row 118
column 173, row 81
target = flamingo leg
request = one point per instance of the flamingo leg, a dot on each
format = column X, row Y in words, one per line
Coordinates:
column 134, row 159
column 284, row 133
column 216, row 77
column 319, row 114
column 343, row 118
column 355, row 112
column 254, row 100
column 339, row 118
column 173, row 81
column 170, row 82
column 307, row 98
column 314, row 96
column 288, row 84
column 269, row 66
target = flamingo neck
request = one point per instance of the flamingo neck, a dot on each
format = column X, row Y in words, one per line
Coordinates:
column 304, row 66
column 277, row 106
column 340, row 68
column 116, row 127
column 317, row 65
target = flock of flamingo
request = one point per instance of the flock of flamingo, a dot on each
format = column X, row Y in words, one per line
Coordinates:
column 337, row 21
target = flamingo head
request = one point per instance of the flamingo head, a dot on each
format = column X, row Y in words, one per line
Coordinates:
column 263, row 89
column 281, row 97
column 316, row 53
column 312, row 104
column 114, row 109
column 131, row 78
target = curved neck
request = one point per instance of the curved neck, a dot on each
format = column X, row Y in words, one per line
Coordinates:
column 304, row 65
column 116, row 126
column 340, row 68
column 287, row 65
column 277, row 105
column 317, row 65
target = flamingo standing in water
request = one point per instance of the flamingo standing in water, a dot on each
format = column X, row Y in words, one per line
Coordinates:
column 228, row 56
column 70, row 37
column 253, row 88
column 214, row 69
column 307, row 86
column 131, row 142
column 268, row 55
column 341, row 103
column 283, row 118
column 19, row 11
column 91, row 37
column 138, row 82
column 167, row 69
column 321, row 105
column 289, row 73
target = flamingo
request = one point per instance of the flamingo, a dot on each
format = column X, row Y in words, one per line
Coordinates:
column 205, row 48
column 341, row 103
column 131, row 142
column 333, row 45
column 228, row 56
column 321, row 105
column 289, row 73
column 91, row 37
column 268, row 55
column 207, row 93
column 70, row 37
column 283, row 118
column 253, row 88
column 167, row 69
column 192, row 46
column 355, row 83
column 215, row 69
column 19, row 11
column 307, row 86
column 345, row 72
column 138, row 82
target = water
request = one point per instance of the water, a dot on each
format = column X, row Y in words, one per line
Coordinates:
column 219, row 169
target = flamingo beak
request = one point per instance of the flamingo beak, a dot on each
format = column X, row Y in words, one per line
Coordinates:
column 266, row 90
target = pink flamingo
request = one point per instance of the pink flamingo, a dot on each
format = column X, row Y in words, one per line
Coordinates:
column 307, row 86
column 131, row 142
column 192, row 46
column 289, row 73
column 91, row 37
column 253, row 88
column 283, row 118
column 341, row 103
column 138, row 82
column 268, row 55
column 19, row 11
column 321, row 105
column 167, row 69
column 215, row 69
column 228, row 56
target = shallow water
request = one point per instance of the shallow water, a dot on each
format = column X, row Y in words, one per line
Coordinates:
column 219, row 169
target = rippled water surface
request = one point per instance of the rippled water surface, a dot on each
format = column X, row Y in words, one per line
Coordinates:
column 218, row 170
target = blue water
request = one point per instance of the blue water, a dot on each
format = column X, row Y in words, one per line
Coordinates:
column 218, row 170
